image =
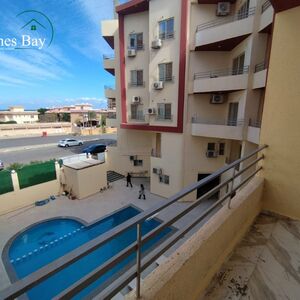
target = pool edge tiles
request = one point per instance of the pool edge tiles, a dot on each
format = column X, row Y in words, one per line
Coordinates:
column 10, row 270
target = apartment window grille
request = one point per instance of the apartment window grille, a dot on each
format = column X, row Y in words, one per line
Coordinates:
column 244, row 10
column 238, row 64
column 165, row 72
column 164, row 111
column 138, row 162
column 166, row 29
column 164, row 179
column 136, row 78
column 136, row 41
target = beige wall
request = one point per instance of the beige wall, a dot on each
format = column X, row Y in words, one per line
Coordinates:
column 19, row 118
column 85, row 182
column 188, row 271
column 280, row 127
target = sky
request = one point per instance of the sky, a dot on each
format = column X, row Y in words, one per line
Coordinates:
column 70, row 69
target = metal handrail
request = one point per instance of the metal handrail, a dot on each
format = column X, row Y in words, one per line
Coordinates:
column 21, row 286
column 108, row 56
column 222, row 73
column 225, row 20
column 254, row 123
column 260, row 67
column 163, row 118
column 166, row 78
column 229, row 122
column 265, row 6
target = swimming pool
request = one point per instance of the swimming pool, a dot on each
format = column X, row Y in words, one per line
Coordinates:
column 43, row 243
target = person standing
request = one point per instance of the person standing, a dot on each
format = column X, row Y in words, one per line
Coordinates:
column 142, row 192
column 128, row 179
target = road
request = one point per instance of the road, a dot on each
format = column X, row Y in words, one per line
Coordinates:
column 25, row 150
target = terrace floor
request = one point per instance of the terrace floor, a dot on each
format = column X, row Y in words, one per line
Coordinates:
column 91, row 209
column 266, row 264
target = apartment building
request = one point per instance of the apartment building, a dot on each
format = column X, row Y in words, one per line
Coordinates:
column 190, row 85
column 19, row 115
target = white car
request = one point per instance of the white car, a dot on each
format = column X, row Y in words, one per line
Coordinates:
column 69, row 143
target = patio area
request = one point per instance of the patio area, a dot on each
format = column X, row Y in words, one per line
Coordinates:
column 91, row 209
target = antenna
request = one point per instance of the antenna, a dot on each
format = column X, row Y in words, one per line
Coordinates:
column 116, row 3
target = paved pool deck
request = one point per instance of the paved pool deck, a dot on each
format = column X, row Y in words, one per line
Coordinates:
column 89, row 210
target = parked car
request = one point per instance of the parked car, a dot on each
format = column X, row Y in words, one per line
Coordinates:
column 95, row 149
column 1, row 165
column 69, row 143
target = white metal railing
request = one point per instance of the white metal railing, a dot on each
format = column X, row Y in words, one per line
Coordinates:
column 229, row 122
column 222, row 72
column 225, row 20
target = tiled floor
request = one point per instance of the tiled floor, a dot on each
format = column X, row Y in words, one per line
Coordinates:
column 91, row 209
column 266, row 265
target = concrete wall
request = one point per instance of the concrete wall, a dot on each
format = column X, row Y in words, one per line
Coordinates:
column 280, row 126
column 34, row 129
column 27, row 196
column 188, row 271
column 85, row 182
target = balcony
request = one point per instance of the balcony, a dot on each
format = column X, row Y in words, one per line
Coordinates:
column 202, row 244
column 109, row 63
column 111, row 120
column 253, row 132
column 260, row 76
column 109, row 92
column 232, row 129
column 266, row 18
column 108, row 29
column 224, row 33
column 221, row 80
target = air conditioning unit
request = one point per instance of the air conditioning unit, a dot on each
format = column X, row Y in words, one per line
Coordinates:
column 136, row 99
column 158, row 85
column 151, row 111
column 217, row 99
column 211, row 154
column 156, row 44
column 223, row 9
column 131, row 53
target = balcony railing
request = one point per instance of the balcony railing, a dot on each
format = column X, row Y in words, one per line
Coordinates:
column 136, row 83
column 229, row 122
column 164, row 118
column 255, row 123
column 166, row 78
column 108, row 56
column 155, row 153
column 112, row 116
column 260, row 67
column 225, row 20
column 265, row 6
column 137, row 47
column 109, row 87
column 222, row 73
column 138, row 117
column 142, row 260
column 166, row 35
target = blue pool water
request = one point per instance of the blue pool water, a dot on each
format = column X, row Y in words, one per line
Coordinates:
column 47, row 241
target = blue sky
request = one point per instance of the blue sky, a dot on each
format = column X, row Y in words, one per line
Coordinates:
column 71, row 69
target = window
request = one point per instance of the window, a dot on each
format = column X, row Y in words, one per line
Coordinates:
column 211, row 146
column 244, row 10
column 165, row 72
column 238, row 65
column 166, row 29
column 222, row 149
column 233, row 114
column 137, row 112
column 136, row 78
column 136, row 41
column 164, row 179
column 164, row 111
column 137, row 162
